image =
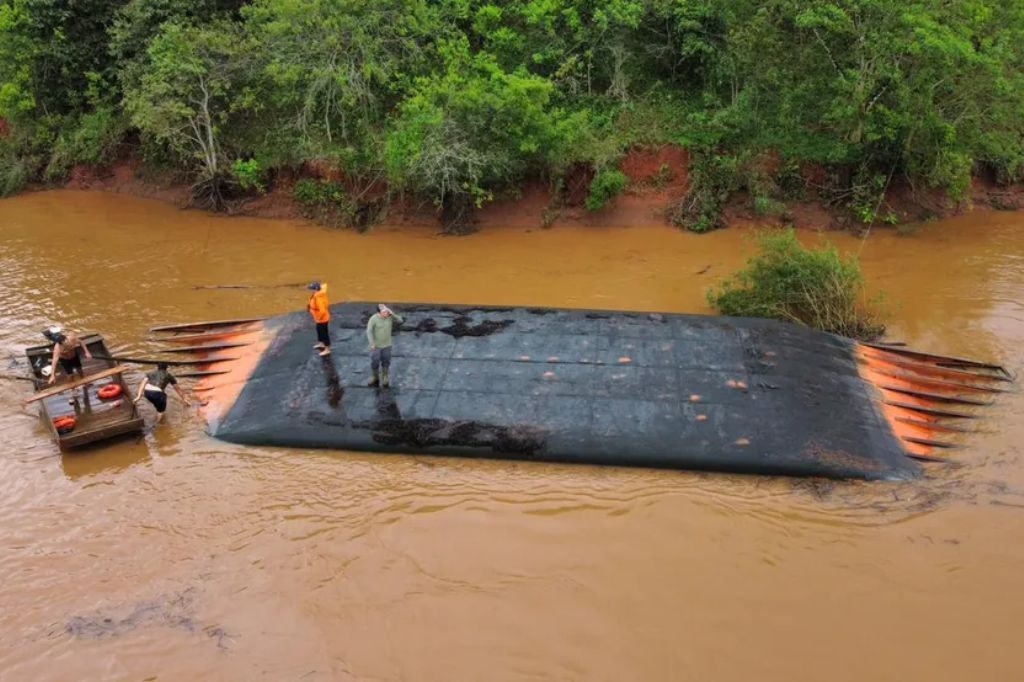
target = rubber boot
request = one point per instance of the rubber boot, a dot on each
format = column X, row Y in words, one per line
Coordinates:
column 385, row 380
column 375, row 381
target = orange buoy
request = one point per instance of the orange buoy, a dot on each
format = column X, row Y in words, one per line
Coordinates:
column 65, row 424
column 110, row 391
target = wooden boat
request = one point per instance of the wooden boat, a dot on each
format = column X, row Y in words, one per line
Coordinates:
column 95, row 418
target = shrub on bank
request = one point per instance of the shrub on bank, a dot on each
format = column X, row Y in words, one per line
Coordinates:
column 93, row 141
column 713, row 179
column 14, row 173
column 330, row 203
column 323, row 201
column 815, row 287
column 250, row 175
column 605, row 186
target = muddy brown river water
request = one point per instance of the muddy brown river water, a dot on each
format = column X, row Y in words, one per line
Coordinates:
column 177, row 557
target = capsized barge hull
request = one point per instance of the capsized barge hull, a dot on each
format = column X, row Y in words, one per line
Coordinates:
column 597, row 387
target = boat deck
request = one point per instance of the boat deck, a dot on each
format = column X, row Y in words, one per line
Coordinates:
column 96, row 418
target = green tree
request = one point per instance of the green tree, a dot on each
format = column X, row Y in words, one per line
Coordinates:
column 469, row 131
column 585, row 47
column 137, row 22
column 457, row 99
column 879, row 86
column 337, row 67
column 196, row 84
column 17, row 53
column 54, row 73
column 48, row 51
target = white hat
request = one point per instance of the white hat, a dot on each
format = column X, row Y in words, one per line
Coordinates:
column 56, row 329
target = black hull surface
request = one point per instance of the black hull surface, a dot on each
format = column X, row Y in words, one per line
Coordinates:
column 596, row 387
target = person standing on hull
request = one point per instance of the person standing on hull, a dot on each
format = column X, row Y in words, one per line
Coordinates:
column 65, row 351
column 378, row 333
column 320, row 309
column 154, row 388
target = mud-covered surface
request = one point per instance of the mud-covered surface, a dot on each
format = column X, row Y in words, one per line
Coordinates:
column 511, row 441
column 462, row 325
column 842, row 460
column 598, row 387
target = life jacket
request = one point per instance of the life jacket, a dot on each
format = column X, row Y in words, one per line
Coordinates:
column 319, row 307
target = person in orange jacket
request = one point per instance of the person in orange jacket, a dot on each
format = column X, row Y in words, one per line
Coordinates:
column 320, row 309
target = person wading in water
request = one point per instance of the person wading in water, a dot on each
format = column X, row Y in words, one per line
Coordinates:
column 65, row 351
column 378, row 333
column 320, row 310
column 154, row 388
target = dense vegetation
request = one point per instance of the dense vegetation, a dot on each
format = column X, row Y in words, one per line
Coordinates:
column 787, row 281
column 454, row 101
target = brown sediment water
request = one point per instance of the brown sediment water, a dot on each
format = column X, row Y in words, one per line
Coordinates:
column 175, row 556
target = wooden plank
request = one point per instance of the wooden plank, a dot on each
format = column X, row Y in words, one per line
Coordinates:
column 936, row 383
column 929, row 369
column 77, row 383
column 935, row 397
column 204, row 325
column 189, row 338
column 930, row 458
column 929, row 442
column 97, row 420
column 929, row 410
column 286, row 285
column 171, row 363
column 932, row 426
column 205, row 349
column 76, row 439
column 940, row 360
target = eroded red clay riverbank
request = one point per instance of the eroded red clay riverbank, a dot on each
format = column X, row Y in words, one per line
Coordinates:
column 658, row 178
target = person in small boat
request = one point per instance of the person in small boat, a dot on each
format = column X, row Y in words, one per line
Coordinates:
column 65, row 351
column 319, row 309
column 154, row 388
column 378, row 333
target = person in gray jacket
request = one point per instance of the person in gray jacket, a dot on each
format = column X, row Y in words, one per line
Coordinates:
column 378, row 334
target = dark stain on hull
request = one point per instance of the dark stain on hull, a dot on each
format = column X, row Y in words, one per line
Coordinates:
column 514, row 441
column 461, row 326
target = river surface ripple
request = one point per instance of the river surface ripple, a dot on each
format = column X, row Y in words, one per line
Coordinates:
column 177, row 557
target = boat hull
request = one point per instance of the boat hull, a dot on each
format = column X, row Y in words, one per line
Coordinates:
column 594, row 387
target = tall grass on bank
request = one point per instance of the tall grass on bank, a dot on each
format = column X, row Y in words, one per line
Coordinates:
column 815, row 287
column 14, row 173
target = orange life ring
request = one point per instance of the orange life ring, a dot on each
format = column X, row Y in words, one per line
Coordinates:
column 65, row 424
column 110, row 391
